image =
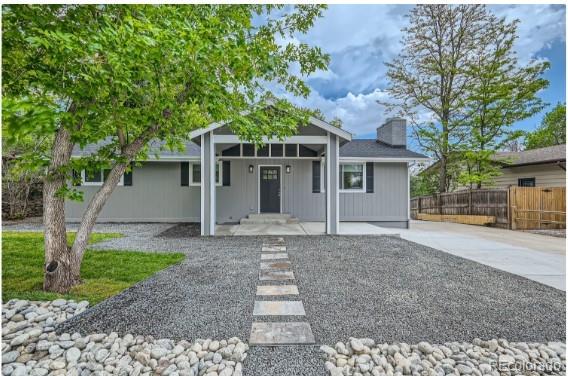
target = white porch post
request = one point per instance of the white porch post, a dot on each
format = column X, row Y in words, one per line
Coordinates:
column 208, row 197
column 332, row 184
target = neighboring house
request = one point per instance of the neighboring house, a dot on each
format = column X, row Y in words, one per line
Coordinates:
column 219, row 179
column 544, row 167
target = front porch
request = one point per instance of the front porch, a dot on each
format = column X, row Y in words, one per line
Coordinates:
column 296, row 176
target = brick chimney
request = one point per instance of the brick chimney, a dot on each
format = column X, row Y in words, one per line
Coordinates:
column 393, row 132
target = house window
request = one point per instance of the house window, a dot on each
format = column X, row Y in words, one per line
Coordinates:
column 352, row 177
column 263, row 151
column 195, row 173
column 291, row 150
column 276, row 150
column 527, row 182
column 97, row 177
column 248, row 150
column 323, row 174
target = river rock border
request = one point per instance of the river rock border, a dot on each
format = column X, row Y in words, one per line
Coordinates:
column 362, row 357
column 30, row 346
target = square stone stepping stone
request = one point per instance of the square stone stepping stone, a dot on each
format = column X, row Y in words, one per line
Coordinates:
column 274, row 240
column 273, row 256
column 275, row 275
column 281, row 333
column 273, row 248
column 278, row 308
column 276, row 290
column 276, row 265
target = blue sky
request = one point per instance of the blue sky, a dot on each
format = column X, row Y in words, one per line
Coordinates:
column 361, row 38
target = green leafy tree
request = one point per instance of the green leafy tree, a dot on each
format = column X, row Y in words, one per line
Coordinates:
column 552, row 130
column 501, row 93
column 423, row 183
column 20, row 178
column 430, row 75
column 128, row 74
column 318, row 114
column 336, row 122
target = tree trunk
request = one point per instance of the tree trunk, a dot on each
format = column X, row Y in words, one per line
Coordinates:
column 58, row 277
column 90, row 217
column 98, row 201
column 442, row 176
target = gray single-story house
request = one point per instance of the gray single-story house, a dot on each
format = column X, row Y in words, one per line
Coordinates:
column 320, row 174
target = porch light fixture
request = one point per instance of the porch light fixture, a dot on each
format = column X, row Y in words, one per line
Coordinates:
column 251, row 169
column 288, row 169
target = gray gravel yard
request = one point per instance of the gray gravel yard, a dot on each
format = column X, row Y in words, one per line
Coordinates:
column 208, row 295
column 390, row 289
column 384, row 288
column 285, row 361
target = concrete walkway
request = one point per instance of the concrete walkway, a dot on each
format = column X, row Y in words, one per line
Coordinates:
column 537, row 257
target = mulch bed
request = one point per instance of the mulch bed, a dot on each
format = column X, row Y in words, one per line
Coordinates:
column 182, row 230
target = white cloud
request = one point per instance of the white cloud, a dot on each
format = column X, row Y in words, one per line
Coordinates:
column 361, row 38
column 540, row 25
column 360, row 113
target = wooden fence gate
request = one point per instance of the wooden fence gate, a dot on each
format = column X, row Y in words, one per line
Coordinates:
column 537, row 208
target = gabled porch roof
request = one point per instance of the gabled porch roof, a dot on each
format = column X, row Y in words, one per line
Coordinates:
column 324, row 126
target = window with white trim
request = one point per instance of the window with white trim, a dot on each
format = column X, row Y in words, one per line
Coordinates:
column 323, row 176
column 352, row 177
column 195, row 173
column 97, row 177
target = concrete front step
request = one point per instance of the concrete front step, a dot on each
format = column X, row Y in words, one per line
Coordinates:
column 269, row 215
column 269, row 218
column 265, row 221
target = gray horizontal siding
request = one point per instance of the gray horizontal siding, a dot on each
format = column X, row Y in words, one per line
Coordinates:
column 156, row 195
column 388, row 203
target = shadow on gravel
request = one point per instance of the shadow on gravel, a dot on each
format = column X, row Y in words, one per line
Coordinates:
column 180, row 231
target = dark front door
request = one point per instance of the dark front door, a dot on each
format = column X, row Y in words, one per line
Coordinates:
column 269, row 189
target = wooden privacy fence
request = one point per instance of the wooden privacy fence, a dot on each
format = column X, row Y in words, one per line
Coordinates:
column 537, row 208
column 481, row 202
column 516, row 208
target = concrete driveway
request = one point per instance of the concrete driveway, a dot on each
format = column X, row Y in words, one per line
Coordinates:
column 538, row 257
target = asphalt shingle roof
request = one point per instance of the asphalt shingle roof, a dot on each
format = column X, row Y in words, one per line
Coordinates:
column 356, row 148
column 191, row 149
column 534, row 156
column 370, row 148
